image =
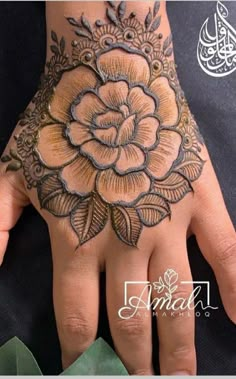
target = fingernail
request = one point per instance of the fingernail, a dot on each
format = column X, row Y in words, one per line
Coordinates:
column 180, row 373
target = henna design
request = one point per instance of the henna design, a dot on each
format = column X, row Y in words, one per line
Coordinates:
column 109, row 135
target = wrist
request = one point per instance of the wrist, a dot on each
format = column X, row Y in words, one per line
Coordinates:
column 59, row 13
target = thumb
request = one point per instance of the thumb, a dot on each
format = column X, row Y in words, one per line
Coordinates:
column 13, row 199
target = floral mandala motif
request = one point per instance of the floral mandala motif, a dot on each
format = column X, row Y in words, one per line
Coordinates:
column 114, row 137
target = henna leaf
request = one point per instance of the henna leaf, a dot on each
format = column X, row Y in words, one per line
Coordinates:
column 62, row 45
column 112, row 16
column 152, row 209
column 173, row 188
column 89, row 218
column 54, row 49
column 14, row 154
column 23, row 122
column 112, row 4
column 6, row 158
column 50, row 184
column 126, row 224
column 54, row 37
column 82, row 33
column 167, row 42
column 169, row 52
column 73, row 21
column 86, row 24
column 156, row 8
column 14, row 166
column 191, row 166
column 148, row 19
column 61, row 204
column 121, row 9
column 54, row 198
column 155, row 24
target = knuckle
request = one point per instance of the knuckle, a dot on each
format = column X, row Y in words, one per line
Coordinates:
column 184, row 352
column 78, row 327
column 226, row 253
column 134, row 327
column 179, row 302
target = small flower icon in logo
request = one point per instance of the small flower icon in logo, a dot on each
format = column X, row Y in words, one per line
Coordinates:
column 170, row 278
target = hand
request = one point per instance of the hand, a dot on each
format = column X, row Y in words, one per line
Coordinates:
column 110, row 155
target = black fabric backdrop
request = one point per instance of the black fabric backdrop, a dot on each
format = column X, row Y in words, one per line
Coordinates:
column 26, row 276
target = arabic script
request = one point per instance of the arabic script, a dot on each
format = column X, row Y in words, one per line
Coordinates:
column 217, row 53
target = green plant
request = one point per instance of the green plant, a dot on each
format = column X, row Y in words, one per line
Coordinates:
column 98, row 359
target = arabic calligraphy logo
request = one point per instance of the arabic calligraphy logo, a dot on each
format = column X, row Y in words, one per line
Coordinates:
column 217, row 54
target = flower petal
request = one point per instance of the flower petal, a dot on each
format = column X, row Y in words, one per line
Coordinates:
column 166, row 152
column 110, row 118
column 115, row 188
column 78, row 133
column 101, row 155
column 131, row 158
column 140, row 103
column 126, row 130
column 86, row 110
column 67, row 90
column 118, row 63
column 146, row 134
column 80, row 176
column 167, row 110
column 114, row 94
column 53, row 148
column 107, row 136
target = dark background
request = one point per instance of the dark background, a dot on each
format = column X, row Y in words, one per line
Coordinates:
column 26, row 276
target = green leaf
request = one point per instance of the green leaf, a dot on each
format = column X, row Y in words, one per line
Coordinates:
column 98, row 359
column 16, row 359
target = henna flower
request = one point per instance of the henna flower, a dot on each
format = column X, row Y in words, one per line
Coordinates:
column 113, row 132
column 110, row 136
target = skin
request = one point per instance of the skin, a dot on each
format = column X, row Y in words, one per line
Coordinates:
column 201, row 214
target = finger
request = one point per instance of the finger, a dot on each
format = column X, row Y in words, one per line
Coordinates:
column 131, row 330
column 12, row 201
column 216, row 238
column 75, row 294
column 175, row 325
